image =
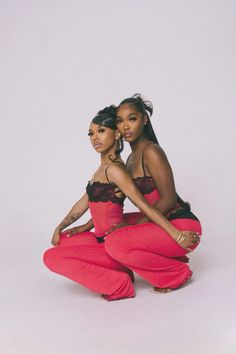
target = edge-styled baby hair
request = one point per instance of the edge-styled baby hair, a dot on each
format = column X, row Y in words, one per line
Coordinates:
column 107, row 118
column 146, row 109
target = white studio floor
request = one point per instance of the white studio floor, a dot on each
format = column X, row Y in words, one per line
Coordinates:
column 43, row 313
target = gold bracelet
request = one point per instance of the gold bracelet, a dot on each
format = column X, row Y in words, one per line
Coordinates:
column 181, row 238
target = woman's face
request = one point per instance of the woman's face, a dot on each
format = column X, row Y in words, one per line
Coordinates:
column 130, row 122
column 102, row 138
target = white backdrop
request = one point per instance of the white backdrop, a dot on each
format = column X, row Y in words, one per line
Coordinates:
column 62, row 61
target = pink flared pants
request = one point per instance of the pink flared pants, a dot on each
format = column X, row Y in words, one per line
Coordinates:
column 82, row 259
column 149, row 251
column 105, row 267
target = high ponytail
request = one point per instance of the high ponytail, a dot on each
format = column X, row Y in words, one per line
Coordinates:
column 146, row 108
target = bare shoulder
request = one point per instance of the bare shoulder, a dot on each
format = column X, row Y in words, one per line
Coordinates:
column 116, row 167
column 154, row 152
column 116, row 171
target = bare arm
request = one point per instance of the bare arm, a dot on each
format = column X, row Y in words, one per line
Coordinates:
column 122, row 179
column 81, row 228
column 74, row 214
column 159, row 168
column 157, row 164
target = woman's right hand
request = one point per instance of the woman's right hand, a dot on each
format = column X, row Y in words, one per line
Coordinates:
column 56, row 237
column 75, row 230
column 188, row 240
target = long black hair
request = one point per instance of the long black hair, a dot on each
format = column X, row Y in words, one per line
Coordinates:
column 107, row 118
column 146, row 108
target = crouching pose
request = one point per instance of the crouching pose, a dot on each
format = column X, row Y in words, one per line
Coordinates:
column 83, row 258
column 147, row 248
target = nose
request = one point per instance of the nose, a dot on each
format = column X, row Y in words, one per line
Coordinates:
column 126, row 125
column 94, row 137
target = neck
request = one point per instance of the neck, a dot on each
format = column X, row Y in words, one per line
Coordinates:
column 107, row 156
column 135, row 145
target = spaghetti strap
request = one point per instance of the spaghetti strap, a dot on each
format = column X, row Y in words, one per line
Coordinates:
column 143, row 157
column 118, row 190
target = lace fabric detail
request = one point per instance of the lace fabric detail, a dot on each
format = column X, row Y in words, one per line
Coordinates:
column 181, row 213
column 145, row 184
column 103, row 192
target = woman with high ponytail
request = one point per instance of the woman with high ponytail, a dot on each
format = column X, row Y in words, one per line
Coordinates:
column 146, row 248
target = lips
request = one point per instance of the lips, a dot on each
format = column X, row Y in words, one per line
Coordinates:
column 127, row 135
column 97, row 146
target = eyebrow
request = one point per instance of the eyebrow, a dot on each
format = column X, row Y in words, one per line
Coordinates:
column 99, row 126
column 131, row 114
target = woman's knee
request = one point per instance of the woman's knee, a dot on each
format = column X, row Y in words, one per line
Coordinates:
column 116, row 245
column 50, row 258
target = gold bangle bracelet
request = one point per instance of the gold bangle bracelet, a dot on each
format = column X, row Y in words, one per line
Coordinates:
column 181, row 238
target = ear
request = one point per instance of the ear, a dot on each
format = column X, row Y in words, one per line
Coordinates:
column 117, row 135
column 145, row 119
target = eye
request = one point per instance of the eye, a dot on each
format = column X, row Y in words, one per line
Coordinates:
column 118, row 121
column 90, row 134
column 101, row 130
column 133, row 118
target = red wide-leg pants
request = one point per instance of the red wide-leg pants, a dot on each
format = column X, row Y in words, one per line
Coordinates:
column 82, row 259
column 149, row 251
